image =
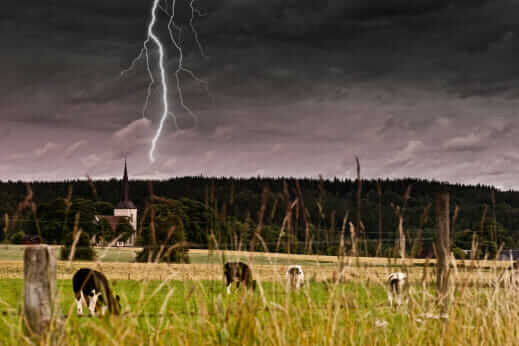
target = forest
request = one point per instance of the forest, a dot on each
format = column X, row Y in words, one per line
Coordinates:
column 267, row 214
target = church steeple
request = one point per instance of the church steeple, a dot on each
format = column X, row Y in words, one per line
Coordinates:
column 124, row 186
column 125, row 202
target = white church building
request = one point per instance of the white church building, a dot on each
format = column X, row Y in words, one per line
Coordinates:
column 125, row 209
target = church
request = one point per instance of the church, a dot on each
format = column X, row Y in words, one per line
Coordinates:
column 125, row 209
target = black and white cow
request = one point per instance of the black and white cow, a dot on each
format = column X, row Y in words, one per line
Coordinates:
column 295, row 277
column 397, row 288
column 92, row 289
column 238, row 272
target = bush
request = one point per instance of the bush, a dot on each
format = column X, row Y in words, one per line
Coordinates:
column 17, row 238
column 84, row 250
column 458, row 253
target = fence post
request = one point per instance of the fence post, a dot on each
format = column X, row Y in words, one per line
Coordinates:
column 401, row 235
column 40, row 293
column 443, row 248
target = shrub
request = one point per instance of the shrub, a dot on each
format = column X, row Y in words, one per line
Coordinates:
column 458, row 253
column 18, row 237
column 83, row 251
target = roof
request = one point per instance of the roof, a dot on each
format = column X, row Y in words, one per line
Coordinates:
column 125, row 205
column 114, row 221
column 32, row 239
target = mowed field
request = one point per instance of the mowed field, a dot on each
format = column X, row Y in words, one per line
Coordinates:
column 119, row 264
column 186, row 304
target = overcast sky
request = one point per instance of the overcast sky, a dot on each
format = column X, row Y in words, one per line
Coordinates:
column 422, row 88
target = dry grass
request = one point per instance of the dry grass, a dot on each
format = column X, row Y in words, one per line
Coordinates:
column 265, row 267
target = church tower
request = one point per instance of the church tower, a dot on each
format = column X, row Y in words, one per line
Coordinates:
column 126, row 207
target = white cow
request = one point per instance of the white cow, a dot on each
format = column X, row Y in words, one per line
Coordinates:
column 295, row 277
column 397, row 288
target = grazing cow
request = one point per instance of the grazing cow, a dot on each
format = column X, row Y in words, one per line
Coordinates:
column 92, row 289
column 238, row 272
column 295, row 277
column 398, row 288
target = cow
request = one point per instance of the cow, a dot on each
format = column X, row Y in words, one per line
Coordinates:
column 295, row 277
column 92, row 289
column 398, row 287
column 238, row 272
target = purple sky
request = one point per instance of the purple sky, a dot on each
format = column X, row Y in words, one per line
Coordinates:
column 296, row 88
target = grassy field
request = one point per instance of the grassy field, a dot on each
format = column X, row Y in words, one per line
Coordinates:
column 128, row 255
column 199, row 306
column 186, row 304
column 200, row 313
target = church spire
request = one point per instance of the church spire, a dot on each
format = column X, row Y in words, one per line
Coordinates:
column 125, row 202
column 125, row 188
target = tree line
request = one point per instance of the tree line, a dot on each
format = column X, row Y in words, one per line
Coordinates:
column 374, row 217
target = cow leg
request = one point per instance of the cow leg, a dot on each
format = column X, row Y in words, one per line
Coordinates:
column 79, row 303
column 229, row 288
column 79, row 306
column 398, row 299
column 93, row 302
column 103, row 310
column 84, row 300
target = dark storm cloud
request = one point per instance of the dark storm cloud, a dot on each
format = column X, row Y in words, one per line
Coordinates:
column 296, row 87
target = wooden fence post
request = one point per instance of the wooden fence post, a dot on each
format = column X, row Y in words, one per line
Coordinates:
column 401, row 235
column 40, row 293
column 443, row 248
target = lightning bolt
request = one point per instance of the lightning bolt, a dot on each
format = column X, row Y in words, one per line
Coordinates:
column 180, row 68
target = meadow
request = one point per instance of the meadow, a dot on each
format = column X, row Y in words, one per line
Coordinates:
column 175, row 304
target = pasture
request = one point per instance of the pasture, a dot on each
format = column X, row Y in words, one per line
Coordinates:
column 200, row 313
column 175, row 304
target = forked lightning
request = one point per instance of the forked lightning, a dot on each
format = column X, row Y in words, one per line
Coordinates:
column 161, row 64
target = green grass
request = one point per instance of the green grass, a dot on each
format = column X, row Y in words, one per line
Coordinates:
column 11, row 253
column 201, row 313
column 117, row 255
column 257, row 259
column 189, row 301
column 15, row 253
column 181, row 302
